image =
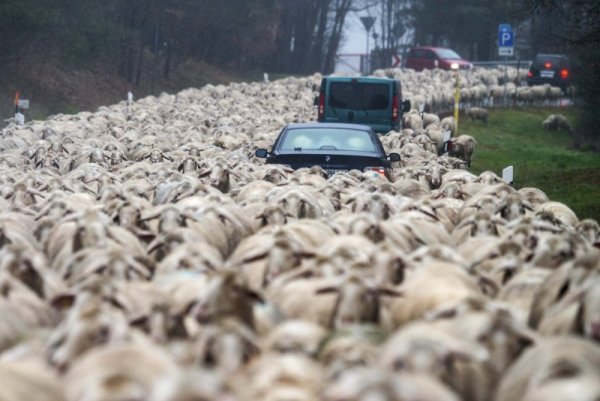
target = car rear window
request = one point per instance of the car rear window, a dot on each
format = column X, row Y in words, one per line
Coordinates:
column 359, row 96
column 555, row 61
column 328, row 139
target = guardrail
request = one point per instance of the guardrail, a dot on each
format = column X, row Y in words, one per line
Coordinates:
column 499, row 63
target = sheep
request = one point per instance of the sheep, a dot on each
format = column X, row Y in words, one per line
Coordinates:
column 356, row 302
column 124, row 371
column 363, row 383
column 563, row 360
column 226, row 294
column 430, row 287
column 463, row 147
column 28, row 381
column 576, row 313
column 295, row 336
column 477, row 113
column 556, row 122
column 560, row 212
column 225, row 346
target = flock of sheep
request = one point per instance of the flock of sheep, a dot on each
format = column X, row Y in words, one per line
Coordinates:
column 480, row 87
column 146, row 254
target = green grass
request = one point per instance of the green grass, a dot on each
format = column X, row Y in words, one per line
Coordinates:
column 542, row 159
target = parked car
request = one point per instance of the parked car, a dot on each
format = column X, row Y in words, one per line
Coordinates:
column 376, row 102
column 553, row 69
column 334, row 147
column 420, row 58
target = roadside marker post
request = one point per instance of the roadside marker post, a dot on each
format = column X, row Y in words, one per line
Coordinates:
column 20, row 104
column 508, row 175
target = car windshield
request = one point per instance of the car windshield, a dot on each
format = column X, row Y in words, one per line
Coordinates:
column 447, row 54
column 340, row 139
column 359, row 95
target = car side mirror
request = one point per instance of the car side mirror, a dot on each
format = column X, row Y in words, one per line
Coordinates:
column 316, row 101
column 261, row 153
column 394, row 157
column 406, row 106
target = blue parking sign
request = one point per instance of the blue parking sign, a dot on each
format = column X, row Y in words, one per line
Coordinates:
column 506, row 39
column 504, row 28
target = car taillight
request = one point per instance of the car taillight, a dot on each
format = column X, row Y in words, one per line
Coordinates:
column 321, row 106
column 564, row 73
column 395, row 108
column 377, row 169
column 529, row 74
column 548, row 65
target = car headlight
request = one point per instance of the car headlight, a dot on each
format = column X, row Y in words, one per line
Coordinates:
column 454, row 66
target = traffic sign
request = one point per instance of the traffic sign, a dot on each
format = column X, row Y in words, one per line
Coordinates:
column 504, row 28
column 367, row 22
column 23, row 103
column 396, row 60
column 506, row 40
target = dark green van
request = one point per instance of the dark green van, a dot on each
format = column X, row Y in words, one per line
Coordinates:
column 376, row 102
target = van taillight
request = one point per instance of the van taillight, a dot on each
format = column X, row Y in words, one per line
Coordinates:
column 321, row 106
column 564, row 73
column 395, row 108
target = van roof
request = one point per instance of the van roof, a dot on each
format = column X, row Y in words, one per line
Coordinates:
column 340, row 78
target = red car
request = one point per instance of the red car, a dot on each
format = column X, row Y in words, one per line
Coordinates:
column 420, row 58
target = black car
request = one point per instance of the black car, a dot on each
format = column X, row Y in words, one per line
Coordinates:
column 553, row 69
column 334, row 147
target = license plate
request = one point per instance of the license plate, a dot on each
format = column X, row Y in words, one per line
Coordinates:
column 547, row 74
column 332, row 172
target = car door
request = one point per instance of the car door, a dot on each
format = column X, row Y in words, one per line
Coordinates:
column 431, row 60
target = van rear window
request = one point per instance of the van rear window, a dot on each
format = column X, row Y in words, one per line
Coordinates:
column 359, row 96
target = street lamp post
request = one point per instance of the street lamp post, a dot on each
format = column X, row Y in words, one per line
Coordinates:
column 368, row 24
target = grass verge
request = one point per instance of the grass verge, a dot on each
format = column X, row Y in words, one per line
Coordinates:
column 542, row 159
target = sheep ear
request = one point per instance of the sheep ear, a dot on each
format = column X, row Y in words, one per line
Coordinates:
column 253, row 295
column 204, row 173
column 326, row 290
column 305, row 254
column 254, row 258
column 139, row 322
column 390, row 292
column 488, row 286
column 579, row 318
column 63, row 301
column 446, row 313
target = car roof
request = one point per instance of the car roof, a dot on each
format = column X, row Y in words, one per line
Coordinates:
column 430, row 48
column 358, row 127
column 548, row 55
column 341, row 78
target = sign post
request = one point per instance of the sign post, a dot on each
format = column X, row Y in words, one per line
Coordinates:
column 456, row 98
column 506, row 48
column 368, row 24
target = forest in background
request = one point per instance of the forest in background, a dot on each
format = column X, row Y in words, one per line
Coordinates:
column 88, row 52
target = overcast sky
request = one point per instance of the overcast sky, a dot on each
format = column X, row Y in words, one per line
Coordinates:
column 356, row 37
